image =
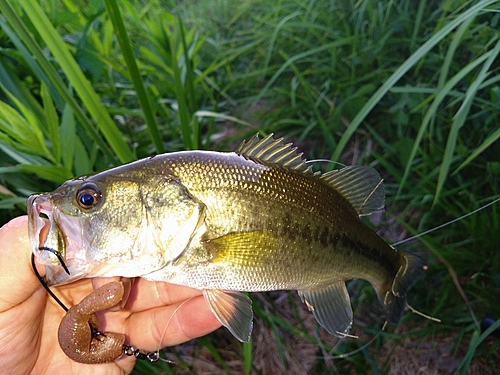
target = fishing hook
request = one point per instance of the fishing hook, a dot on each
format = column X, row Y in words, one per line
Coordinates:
column 44, row 284
column 57, row 254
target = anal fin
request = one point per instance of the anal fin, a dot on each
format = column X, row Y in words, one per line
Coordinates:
column 331, row 307
column 233, row 309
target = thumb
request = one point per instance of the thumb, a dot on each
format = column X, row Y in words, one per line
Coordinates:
column 17, row 279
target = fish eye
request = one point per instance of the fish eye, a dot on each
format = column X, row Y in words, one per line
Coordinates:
column 88, row 196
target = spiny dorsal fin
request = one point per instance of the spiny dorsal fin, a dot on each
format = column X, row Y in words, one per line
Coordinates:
column 272, row 150
column 362, row 186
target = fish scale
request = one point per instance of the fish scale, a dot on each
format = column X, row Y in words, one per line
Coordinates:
column 245, row 185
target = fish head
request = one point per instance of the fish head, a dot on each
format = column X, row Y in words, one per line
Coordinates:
column 112, row 224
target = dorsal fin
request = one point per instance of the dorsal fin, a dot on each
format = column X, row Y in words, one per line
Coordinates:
column 362, row 186
column 273, row 151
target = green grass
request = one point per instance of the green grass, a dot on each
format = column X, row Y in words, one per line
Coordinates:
column 411, row 88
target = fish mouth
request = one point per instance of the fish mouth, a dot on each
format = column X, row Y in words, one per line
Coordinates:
column 54, row 240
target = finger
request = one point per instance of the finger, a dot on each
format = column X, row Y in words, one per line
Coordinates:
column 126, row 363
column 171, row 325
column 15, row 264
column 146, row 295
column 72, row 293
column 127, row 285
column 97, row 282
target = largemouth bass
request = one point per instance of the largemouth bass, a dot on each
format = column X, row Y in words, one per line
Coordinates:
column 257, row 219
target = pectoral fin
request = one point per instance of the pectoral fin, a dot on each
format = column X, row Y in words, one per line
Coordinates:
column 331, row 307
column 234, row 311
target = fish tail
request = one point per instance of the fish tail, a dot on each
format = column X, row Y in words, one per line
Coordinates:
column 394, row 297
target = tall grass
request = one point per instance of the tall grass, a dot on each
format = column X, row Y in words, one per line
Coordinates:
column 408, row 87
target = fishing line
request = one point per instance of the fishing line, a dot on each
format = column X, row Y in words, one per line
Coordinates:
column 446, row 224
column 165, row 332
column 324, row 161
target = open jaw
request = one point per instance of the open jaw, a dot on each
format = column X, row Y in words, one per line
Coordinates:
column 56, row 240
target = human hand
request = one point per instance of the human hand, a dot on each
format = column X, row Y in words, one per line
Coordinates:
column 155, row 315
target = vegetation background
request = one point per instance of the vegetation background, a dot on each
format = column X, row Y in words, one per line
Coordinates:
column 409, row 87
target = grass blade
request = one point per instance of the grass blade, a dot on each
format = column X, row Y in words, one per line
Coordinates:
column 11, row 83
column 77, row 79
column 221, row 116
column 22, row 133
column 52, row 122
column 476, row 339
column 272, row 42
column 432, row 112
column 443, row 74
column 247, row 356
column 459, row 120
column 128, row 54
column 407, row 65
column 30, row 58
column 329, row 46
column 53, row 77
column 180, row 94
column 483, row 146
column 214, row 352
column 68, row 137
column 52, row 173
column 323, row 125
column 189, row 84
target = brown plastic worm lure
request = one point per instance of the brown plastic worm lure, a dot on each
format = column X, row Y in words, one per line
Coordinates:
column 79, row 335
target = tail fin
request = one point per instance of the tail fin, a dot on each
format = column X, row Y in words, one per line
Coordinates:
column 394, row 300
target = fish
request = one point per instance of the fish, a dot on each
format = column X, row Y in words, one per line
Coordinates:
column 253, row 220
